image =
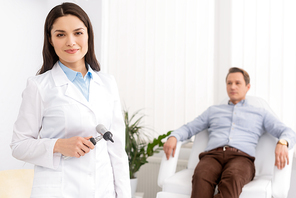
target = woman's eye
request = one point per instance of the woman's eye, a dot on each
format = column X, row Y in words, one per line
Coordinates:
column 78, row 33
column 60, row 35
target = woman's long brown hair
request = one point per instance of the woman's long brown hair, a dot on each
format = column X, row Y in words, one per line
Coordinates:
column 48, row 53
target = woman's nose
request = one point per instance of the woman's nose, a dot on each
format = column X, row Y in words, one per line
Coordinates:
column 70, row 41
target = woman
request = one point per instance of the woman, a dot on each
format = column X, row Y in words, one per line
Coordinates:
column 60, row 110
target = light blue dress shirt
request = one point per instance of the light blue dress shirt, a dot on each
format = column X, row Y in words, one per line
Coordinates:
column 77, row 79
column 238, row 126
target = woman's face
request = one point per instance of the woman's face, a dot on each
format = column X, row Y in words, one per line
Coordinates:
column 69, row 38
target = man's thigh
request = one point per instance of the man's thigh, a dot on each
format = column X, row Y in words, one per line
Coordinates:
column 239, row 167
column 206, row 175
column 209, row 167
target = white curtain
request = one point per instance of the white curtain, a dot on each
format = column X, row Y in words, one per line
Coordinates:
column 161, row 53
column 263, row 41
column 170, row 57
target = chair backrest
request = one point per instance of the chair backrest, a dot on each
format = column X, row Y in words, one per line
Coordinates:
column 264, row 162
column 16, row 183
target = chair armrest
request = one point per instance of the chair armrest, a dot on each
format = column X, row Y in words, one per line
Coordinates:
column 281, row 178
column 168, row 167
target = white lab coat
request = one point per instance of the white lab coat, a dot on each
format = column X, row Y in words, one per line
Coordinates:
column 52, row 108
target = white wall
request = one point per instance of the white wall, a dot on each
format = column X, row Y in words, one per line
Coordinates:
column 21, row 38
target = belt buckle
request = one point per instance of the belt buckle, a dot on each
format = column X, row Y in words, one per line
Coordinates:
column 224, row 148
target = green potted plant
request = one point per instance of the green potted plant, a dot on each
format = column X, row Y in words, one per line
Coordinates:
column 138, row 144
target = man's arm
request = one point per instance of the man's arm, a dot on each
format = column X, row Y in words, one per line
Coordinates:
column 185, row 132
column 286, row 135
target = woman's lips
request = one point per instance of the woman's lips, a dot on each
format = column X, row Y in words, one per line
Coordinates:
column 71, row 51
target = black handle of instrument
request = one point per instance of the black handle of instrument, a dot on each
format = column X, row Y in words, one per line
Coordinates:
column 93, row 141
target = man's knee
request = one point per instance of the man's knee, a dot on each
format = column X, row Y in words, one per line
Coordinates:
column 206, row 174
column 240, row 173
column 200, row 175
column 236, row 177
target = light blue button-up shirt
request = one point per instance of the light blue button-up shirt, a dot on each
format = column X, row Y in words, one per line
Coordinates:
column 238, row 126
column 77, row 79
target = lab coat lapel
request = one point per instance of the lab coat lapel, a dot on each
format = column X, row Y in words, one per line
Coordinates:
column 71, row 91
column 75, row 94
column 97, row 89
column 101, row 100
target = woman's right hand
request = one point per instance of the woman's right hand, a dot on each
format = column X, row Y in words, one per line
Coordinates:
column 74, row 146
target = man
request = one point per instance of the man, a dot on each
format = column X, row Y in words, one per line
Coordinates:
column 234, row 130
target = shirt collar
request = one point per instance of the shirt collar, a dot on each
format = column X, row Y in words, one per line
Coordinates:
column 90, row 71
column 71, row 74
column 240, row 103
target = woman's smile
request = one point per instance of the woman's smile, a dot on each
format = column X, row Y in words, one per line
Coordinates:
column 71, row 51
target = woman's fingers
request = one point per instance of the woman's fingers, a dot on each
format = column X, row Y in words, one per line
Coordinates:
column 74, row 146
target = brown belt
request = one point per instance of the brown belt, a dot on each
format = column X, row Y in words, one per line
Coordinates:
column 227, row 148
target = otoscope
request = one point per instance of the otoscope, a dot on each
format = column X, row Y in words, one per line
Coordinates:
column 103, row 133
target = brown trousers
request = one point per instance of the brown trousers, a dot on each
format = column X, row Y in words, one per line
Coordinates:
column 230, row 170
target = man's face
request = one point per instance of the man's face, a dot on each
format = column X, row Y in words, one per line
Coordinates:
column 236, row 87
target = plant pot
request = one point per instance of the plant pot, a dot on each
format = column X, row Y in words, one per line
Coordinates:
column 134, row 183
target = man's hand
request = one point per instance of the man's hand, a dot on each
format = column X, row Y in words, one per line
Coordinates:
column 281, row 156
column 73, row 147
column 170, row 146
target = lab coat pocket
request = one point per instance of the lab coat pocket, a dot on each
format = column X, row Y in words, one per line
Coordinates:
column 47, row 183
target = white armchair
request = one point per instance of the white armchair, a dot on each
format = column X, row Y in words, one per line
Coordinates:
column 269, row 182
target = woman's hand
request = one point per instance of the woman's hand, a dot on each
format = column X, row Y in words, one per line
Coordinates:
column 74, row 146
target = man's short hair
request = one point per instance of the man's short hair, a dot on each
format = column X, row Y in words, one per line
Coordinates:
column 244, row 73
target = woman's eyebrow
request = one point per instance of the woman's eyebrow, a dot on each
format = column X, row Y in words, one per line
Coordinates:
column 59, row 31
column 79, row 29
column 65, row 31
